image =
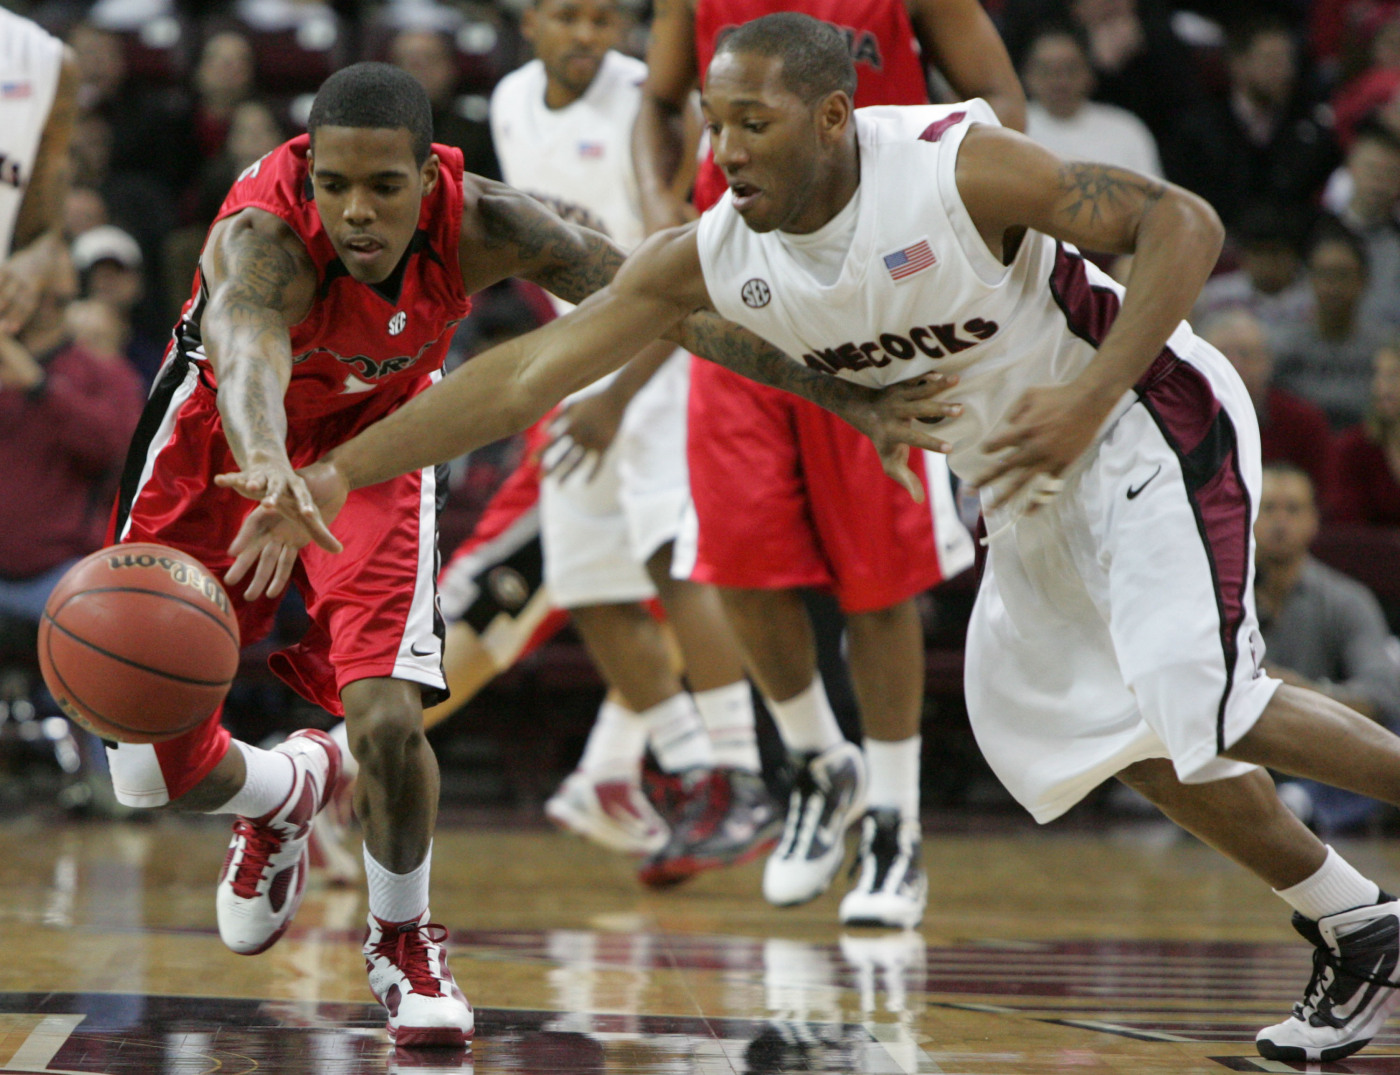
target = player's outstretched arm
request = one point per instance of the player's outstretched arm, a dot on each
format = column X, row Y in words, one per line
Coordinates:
column 260, row 281
column 1009, row 184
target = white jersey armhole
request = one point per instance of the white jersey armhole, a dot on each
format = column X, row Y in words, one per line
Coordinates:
column 984, row 263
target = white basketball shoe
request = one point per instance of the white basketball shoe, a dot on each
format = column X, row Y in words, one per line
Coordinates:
column 407, row 967
column 828, row 794
column 264, row 873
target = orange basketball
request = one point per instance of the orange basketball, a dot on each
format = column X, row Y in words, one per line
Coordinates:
column 138, row 643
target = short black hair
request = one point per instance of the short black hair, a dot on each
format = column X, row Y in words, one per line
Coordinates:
column 1331, row 230
column 1372, row 129
column 375, row 95
column 816, row 56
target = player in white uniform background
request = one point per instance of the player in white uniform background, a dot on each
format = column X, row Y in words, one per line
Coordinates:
column 38, row 102
column 562, row 127
column 1114, row 632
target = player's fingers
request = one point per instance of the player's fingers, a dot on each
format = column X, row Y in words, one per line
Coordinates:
column 309, row 516
column 268, row 560
column 929, row 384
column 244, row 484
column 919, row 436
column 896, row 465
column 286, row 560
column 244, row 557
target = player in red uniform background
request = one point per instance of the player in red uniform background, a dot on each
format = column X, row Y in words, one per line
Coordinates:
column 786, row 499
column 325, row 296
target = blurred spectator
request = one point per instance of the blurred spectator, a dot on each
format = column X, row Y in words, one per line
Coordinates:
column 109, row 267
column 135, row 203
column 1138, row 61
column 1339, row 30
column 1372, row 88
column 1291, row 430
column 1059, row 82
column 66, row 415
column 428, row 57
column 1366, row 479
column 1327, row 359
column 1270, row 282
column 1366, row 196
column 150, row 129
column 96, row 325
column 1267, row 140
column 1321, row 630
column 223, row 80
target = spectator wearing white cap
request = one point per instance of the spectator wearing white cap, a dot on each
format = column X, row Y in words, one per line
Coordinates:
column 111, row 270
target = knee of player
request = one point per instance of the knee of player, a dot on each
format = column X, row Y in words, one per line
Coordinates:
column 382, row 734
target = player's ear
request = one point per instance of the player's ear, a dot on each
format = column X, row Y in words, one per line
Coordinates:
column 431, row 168
column 834, row 115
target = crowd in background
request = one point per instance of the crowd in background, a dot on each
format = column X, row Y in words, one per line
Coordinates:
column 1284, row 114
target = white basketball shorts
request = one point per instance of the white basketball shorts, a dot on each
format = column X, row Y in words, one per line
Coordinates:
column 1117, row 623
column 599, row 533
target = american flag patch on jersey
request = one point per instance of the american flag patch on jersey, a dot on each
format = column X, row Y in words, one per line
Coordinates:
column 590, row 149
column 913, row 258
column 15, row 91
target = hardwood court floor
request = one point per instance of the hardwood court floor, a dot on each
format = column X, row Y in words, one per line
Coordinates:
column 1131, row 952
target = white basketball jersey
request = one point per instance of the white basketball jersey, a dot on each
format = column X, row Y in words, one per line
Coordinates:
column 578, row 158
column 920, row 291
column 29, row 67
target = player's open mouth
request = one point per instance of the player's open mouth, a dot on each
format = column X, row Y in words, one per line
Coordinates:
column 743, row 195
column 364, row 248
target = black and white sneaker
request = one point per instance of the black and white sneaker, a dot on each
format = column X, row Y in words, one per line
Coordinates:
column 1352, row 989
column 828, row 794
column 893, row 889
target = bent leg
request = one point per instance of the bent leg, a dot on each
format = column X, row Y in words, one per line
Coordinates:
column 1241, row 817
column 1304, row 733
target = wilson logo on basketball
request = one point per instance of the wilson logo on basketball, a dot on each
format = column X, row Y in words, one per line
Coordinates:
column 180, row 572
column 397, row 323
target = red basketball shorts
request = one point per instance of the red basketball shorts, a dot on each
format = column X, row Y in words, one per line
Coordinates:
column 372, row 607
column 787, row 495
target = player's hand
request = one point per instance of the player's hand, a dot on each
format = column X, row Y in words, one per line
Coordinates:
column 19, row 297
column 581, row 434
column 904, row 416
column 1046, row 430
column 268, row 544
column 287, row 492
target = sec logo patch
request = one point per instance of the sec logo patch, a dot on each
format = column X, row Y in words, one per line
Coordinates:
column 755, row 293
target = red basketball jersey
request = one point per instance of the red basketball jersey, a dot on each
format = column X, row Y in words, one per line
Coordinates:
column 360, row 349
column 889, row 62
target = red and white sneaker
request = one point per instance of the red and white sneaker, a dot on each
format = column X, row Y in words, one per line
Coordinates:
column 609, row 810
column 408, row 972
column 264, row 874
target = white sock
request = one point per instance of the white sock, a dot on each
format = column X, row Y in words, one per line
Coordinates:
column 349, row 767
column 727, row 713
column 677, row 735
column 267, row 785
column 398, row 897
column 894, row 774
column 616, row 741
column 806, row 721
column 1335, row 887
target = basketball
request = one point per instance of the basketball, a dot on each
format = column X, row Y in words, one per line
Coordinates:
column 138, row 643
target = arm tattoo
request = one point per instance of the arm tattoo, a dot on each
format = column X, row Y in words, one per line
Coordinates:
column 1098, row 188
column 565, row 259
column 711, row 336
column 248, row 321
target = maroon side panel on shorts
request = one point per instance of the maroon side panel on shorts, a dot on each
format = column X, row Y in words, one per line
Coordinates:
column 1183, row 405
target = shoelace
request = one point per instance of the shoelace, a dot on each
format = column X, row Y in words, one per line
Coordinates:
column 407, row 949
column 1318, row 985
column 260, row 843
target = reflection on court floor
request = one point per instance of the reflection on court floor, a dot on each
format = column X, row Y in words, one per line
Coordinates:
column 1116, row 954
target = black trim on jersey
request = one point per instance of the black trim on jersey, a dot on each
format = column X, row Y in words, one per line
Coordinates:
column 433, row 695
column 390, row 289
